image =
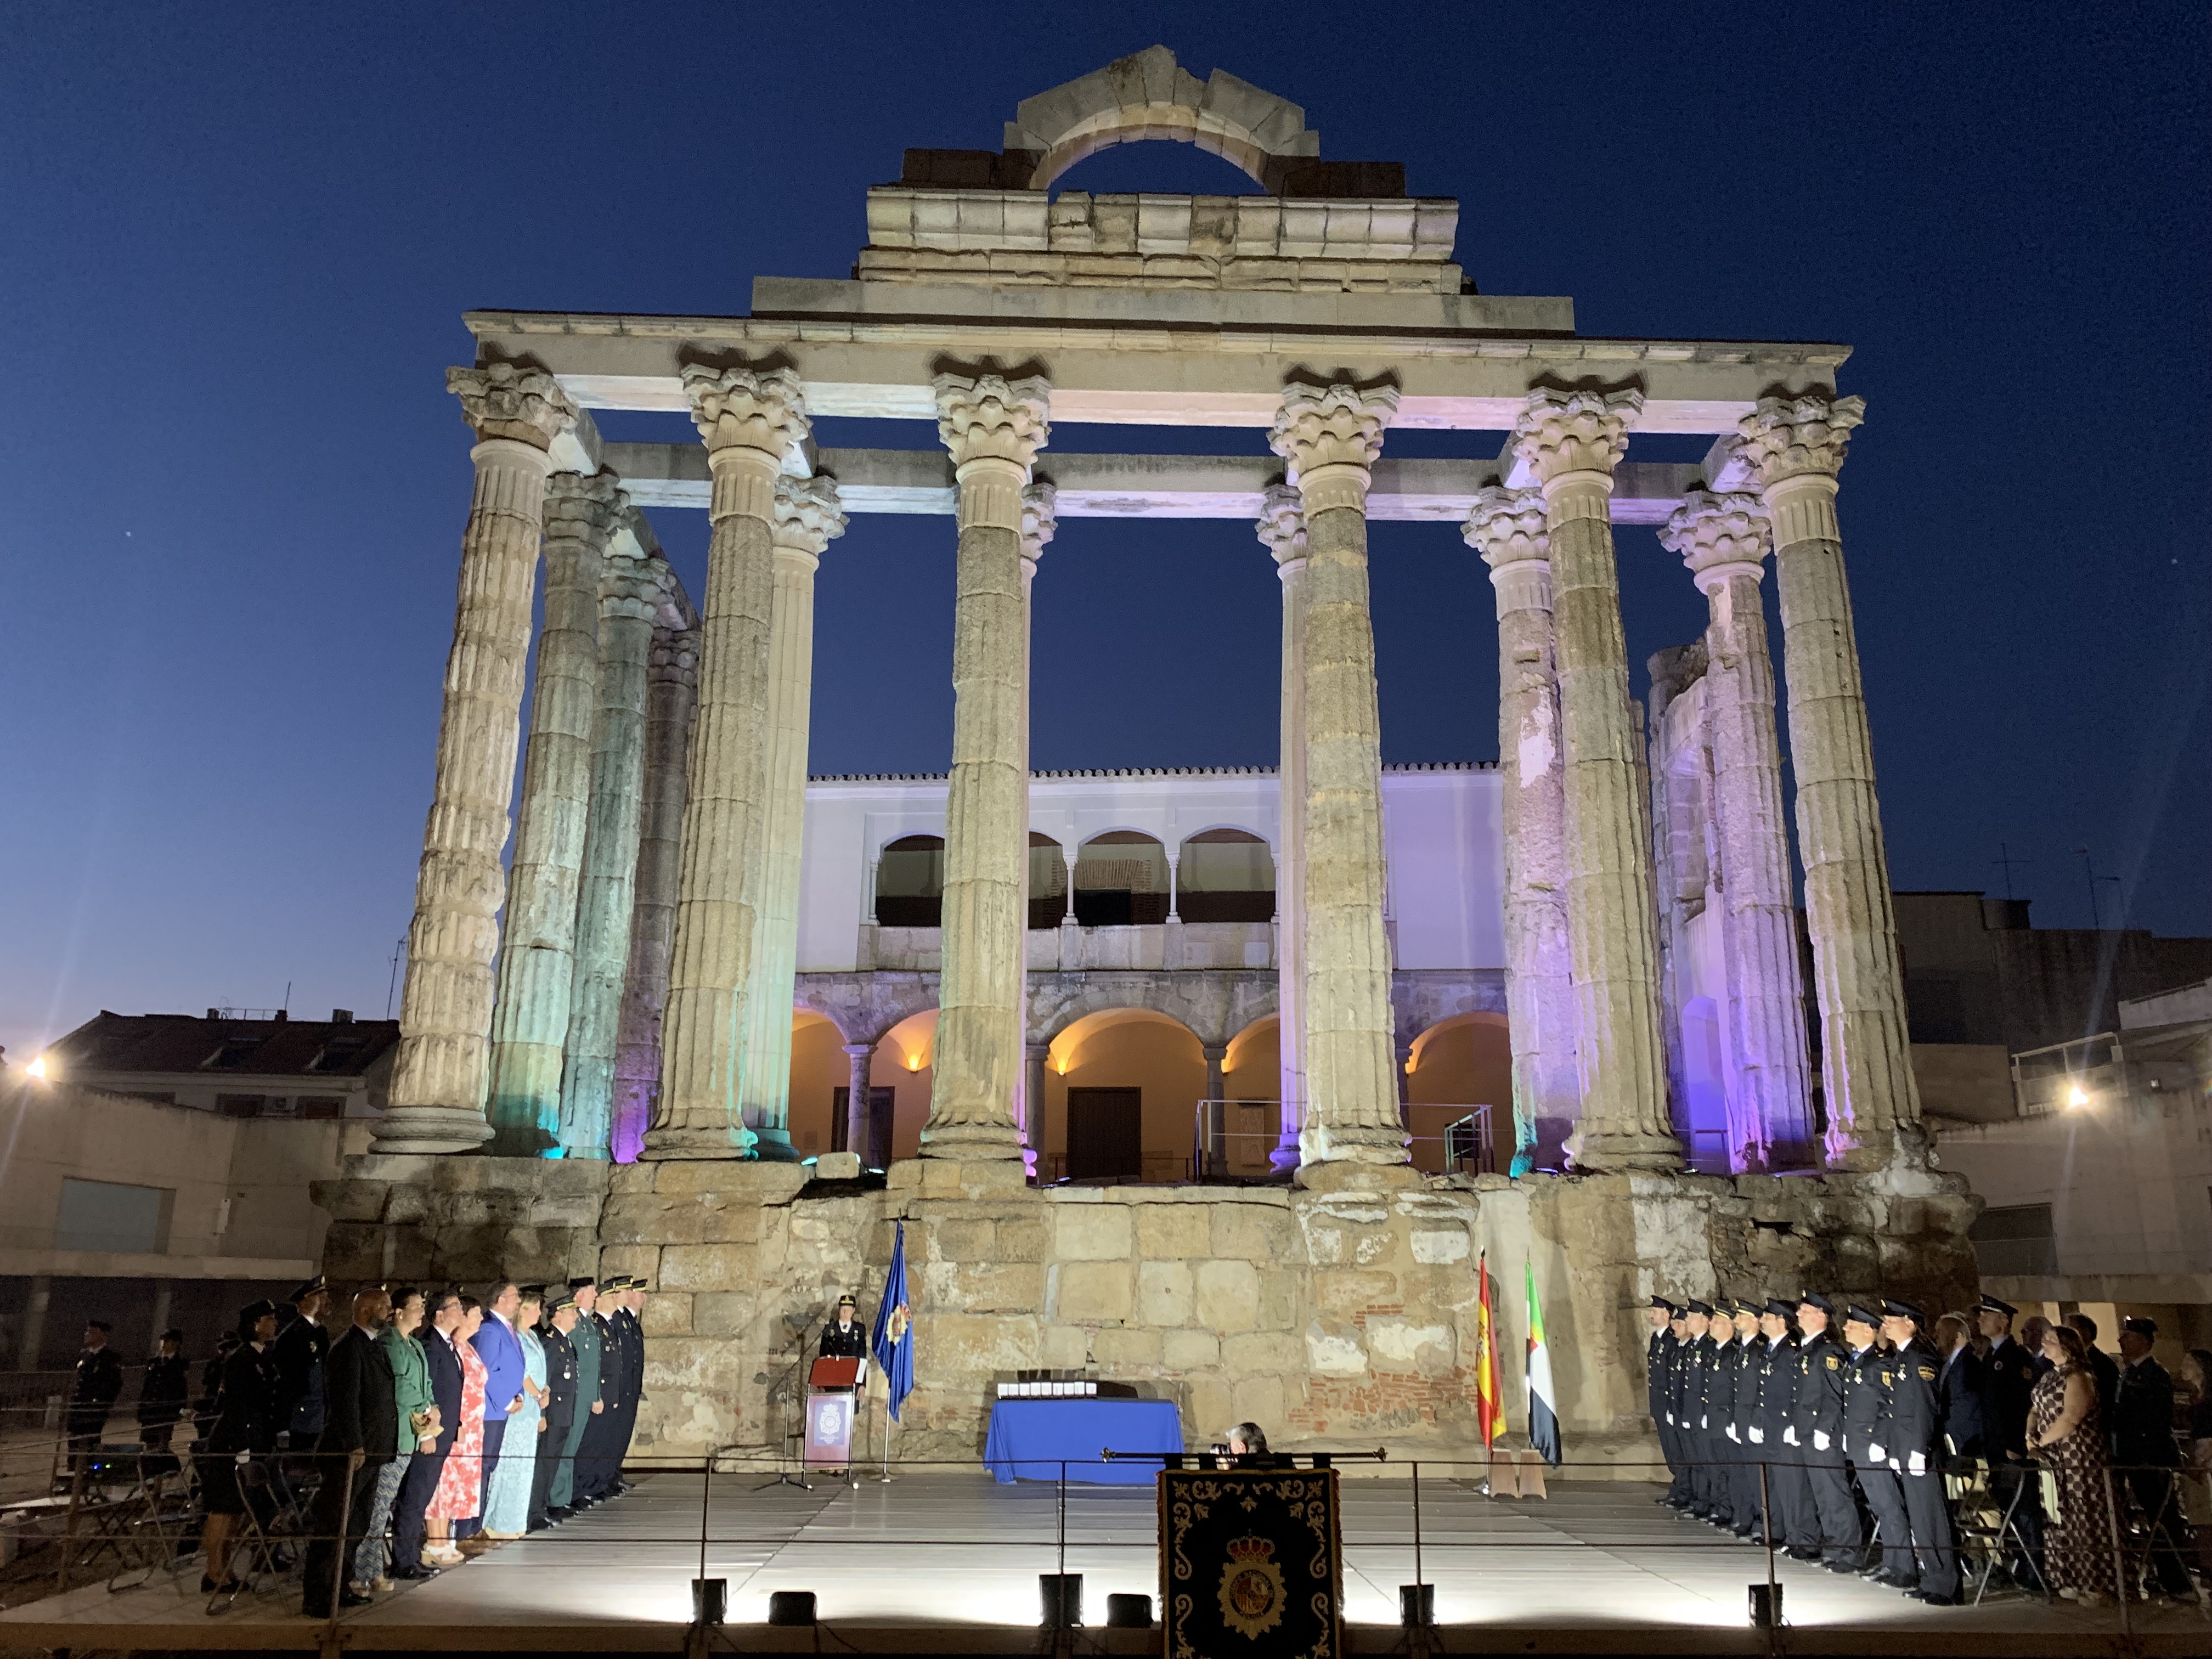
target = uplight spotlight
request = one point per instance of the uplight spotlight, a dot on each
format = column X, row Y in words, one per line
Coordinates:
column 37, row 1068
column 2076, row 1097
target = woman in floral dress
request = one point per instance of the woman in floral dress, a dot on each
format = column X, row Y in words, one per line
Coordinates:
column 507, row 1510
column 2066, row 1431
column 462, row 1479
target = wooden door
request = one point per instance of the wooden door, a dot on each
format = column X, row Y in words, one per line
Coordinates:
column 1105, row 1134
column 882, row 1101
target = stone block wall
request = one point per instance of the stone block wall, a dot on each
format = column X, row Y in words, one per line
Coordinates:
column 1342, row 1318
column 436, row 1220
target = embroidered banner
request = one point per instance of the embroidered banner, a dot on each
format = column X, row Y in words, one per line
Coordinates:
column 1251, row 1563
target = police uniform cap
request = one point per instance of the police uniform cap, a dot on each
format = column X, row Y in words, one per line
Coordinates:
column 98, row 1325
column 1661, row 1302
column 559, row 1300
column 583, row 1283
column 1814, row 1299
column 1698, row 1306
column 1777, row 1306
column 848, row 1302
column 1896, row 1309
column 174, row 1334
column 1855, row 1314
column 302, row 1291
column 2145, row 1328
column 1990, row 1304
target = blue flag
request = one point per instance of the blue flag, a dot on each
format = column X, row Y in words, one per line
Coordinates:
column 894, row 1338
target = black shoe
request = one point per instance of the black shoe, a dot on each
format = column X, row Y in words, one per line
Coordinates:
column 1934, row 1599
column 1798, row 1552
column 557, row 1516
column 1897, row 1581
column 354, row 1598
column 412, row 1574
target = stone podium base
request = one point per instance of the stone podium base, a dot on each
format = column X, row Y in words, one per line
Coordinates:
column 1341, row 1315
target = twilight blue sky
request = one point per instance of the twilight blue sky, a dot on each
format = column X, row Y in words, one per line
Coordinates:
column 236, row 243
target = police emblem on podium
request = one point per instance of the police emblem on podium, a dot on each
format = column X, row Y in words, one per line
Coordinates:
column 1251, row 1563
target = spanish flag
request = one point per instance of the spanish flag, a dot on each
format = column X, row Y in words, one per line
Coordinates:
column 1543, row 1414
column 1489, row 1399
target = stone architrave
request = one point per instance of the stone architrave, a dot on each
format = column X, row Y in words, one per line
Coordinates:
column 1723, row 540
column 994, row 429
column 441, row 1073
column 1282, row 531
column 750, row 420
column 1330, row 436
column 1571, row 441
column 1040, row 524
column 1795, row 447
column 807, row 517
column 630, row 600
column 672, row 681
column 537, row 950
column 1507, row 528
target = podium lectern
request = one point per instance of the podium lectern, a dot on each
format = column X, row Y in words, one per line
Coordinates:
column 833, row 1390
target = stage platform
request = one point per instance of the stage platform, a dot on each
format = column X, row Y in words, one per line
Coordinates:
column 946, row 1562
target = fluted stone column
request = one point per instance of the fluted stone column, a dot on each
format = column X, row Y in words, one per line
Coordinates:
column 1040, row 524
column 1795, row 447
column 807, row 517
column 749, row 419
column 1034, row 1056
column 1282, row 532
column 441, row 1073
column 671, row 695
column 859, row 1061
column 537, row 949
column 630, row 600
column 1329, row 436
column 1507, row 527
column 1723, row 540
column 993, row 430
column 1571, row 441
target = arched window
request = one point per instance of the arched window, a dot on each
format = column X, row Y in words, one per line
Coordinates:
column 1122, row 881
column 910, row 883
column 1048, row 882
column 1226, row 875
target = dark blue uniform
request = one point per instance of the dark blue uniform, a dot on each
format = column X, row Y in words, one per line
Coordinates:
column 1789, row 1503
column 1866, row 1406
column 1819, row 1424
column 2008, row 1377
column 1916, row 1461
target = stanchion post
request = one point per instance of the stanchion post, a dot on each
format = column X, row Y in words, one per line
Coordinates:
column 2119, row 1558
column 1766, row 1536
column 338, row 1569
column 1418, row 1580
column 706, row 1494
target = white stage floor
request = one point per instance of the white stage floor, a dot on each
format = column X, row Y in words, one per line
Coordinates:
column 945, row 1561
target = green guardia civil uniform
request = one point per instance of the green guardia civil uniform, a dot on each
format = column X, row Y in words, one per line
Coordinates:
column 586, row 1340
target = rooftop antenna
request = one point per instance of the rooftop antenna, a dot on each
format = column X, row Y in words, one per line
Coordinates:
column 399, row 949
column 2096, row 917
column 288, row 999
column 2008, row 860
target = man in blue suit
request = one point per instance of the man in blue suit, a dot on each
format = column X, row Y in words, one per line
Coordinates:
column 501, row 1350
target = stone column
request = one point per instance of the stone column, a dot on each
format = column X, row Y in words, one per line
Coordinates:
column 1329, row 436
column 537, row 958
column 1040, row 524
column 1034, row 1056
column 1282, row 532
column 440, row 1075
column 1796, row 446
column 672, row 689
column 993, row 430
column 1723, row 540
column 807, row 517
column 630, row 600
column 859, row 1059
column 749, row 421
column 1571, row 441
column 1507, row 528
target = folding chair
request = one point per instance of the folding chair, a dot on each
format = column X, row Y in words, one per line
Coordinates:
column 150, row 1530
column 253, row 1550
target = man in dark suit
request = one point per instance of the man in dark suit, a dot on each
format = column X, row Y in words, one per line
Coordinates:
column 98, row 1381
column 419, row 1483
column 1959, row 1387
column 2102, row 1365
column 360, row 1427
column 559, row 1414
column 2144, row 1449
column 2009, row 1371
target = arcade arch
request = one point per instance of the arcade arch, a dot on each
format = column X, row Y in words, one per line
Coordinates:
column 1455, row 1066
column 1120, row 1097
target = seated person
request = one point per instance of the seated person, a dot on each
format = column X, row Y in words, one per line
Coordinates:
column 1246, row 1446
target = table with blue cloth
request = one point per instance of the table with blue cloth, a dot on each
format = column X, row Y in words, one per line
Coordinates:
column 1028, row 1438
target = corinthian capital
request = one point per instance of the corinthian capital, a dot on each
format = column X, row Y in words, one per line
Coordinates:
column 1718, row 536
column 1337, row 425
column 583, row 508
column 631, row 587
column 747, row 409
column 501, row 400
column 808, row 514
column 1282, row 524
column 1040, row 520
column 1562, row 433
column 986, row 419
column 675, row 656
column 1787, row 438
column 1508, row 528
